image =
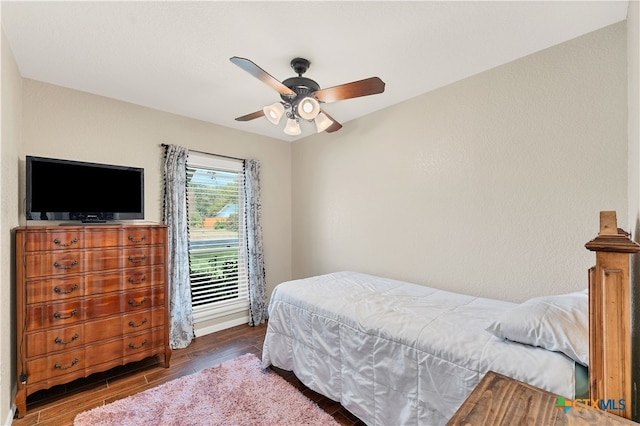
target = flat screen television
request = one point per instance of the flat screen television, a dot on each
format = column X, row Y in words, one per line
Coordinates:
column 58, row 189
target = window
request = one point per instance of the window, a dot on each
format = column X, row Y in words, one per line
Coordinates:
column 217, row 249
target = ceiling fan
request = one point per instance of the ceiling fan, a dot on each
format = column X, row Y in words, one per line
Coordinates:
column 301, row 96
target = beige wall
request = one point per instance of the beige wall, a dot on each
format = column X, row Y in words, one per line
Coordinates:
column 633, row 82
column 633, row 67
column 10, row 117
column 64, row 123
column 490, row 186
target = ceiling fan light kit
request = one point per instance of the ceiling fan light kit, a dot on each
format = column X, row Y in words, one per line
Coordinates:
column 308, row 108
column 301, row 96
column 293, row 127
column 274, row 112
column 322, row 122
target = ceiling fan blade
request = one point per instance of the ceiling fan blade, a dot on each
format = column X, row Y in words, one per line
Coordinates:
column 335, row 126
column 262, row 75
column 251, row 116
column 355, row 89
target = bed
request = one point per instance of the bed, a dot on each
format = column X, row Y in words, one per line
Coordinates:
column 393, row 352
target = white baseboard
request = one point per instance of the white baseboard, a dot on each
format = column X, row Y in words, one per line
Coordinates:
column 10, row 415
column 221, row 326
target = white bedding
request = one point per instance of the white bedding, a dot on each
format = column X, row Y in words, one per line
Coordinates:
column 396, row 353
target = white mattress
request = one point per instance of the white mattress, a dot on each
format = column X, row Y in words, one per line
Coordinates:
column 396, row 353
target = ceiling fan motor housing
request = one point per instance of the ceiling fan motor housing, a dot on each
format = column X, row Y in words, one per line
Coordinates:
column 302, row 86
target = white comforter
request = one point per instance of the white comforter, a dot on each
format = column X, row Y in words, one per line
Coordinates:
column 397, row 353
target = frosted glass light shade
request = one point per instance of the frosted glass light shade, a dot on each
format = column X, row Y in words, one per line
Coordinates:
column 308, row 108
column 274, row 112
column 322, row 122
column 292, row 128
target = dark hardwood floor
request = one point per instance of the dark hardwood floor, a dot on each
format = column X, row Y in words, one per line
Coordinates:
column 59, row 405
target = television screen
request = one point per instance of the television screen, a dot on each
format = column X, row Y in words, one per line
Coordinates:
column 59, row 189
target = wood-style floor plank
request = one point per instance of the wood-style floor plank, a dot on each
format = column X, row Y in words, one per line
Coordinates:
column 59, row 405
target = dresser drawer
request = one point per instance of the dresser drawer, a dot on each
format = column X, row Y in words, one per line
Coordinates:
column 58, row 364
column 57, row 340
column 71, row 337
column 139, row 342
column 54, row 263
column 63, row 314
column 140, row 346
column 142, row 235
column 143, row 256
column 142, row 321
column 143, row 277
column 56, row 315
column 70, row 362
column 55, row 289
column 127, row 346
column 64, row 239
column 142, row 299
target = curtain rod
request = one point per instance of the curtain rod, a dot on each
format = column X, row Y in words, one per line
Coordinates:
column 164, row 145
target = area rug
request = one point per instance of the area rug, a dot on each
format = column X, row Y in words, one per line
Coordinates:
column 237, row 392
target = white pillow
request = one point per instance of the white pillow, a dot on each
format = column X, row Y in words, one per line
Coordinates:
column 556, row 323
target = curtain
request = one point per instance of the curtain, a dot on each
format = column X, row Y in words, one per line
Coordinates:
column 181, row 330
column 257, row 283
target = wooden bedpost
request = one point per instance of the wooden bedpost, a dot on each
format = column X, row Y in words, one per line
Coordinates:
column 610, row 317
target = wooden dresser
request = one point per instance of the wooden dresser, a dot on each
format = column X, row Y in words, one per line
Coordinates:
column 88, row 298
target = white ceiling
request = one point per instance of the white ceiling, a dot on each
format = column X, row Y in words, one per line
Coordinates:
column 174, row 55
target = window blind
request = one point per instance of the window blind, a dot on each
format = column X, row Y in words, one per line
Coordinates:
column 217, row 248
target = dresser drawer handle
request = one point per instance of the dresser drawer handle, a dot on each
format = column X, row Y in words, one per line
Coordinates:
column 59, row 316
column 132, row 346
column 133, row 302
column 61, row 266
column 133, row 324
column 137, row 259
column 74, row 362
column 59, row 341
column 60, row 244
column 71, row 290
column 134, row 240
column 140, row 281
